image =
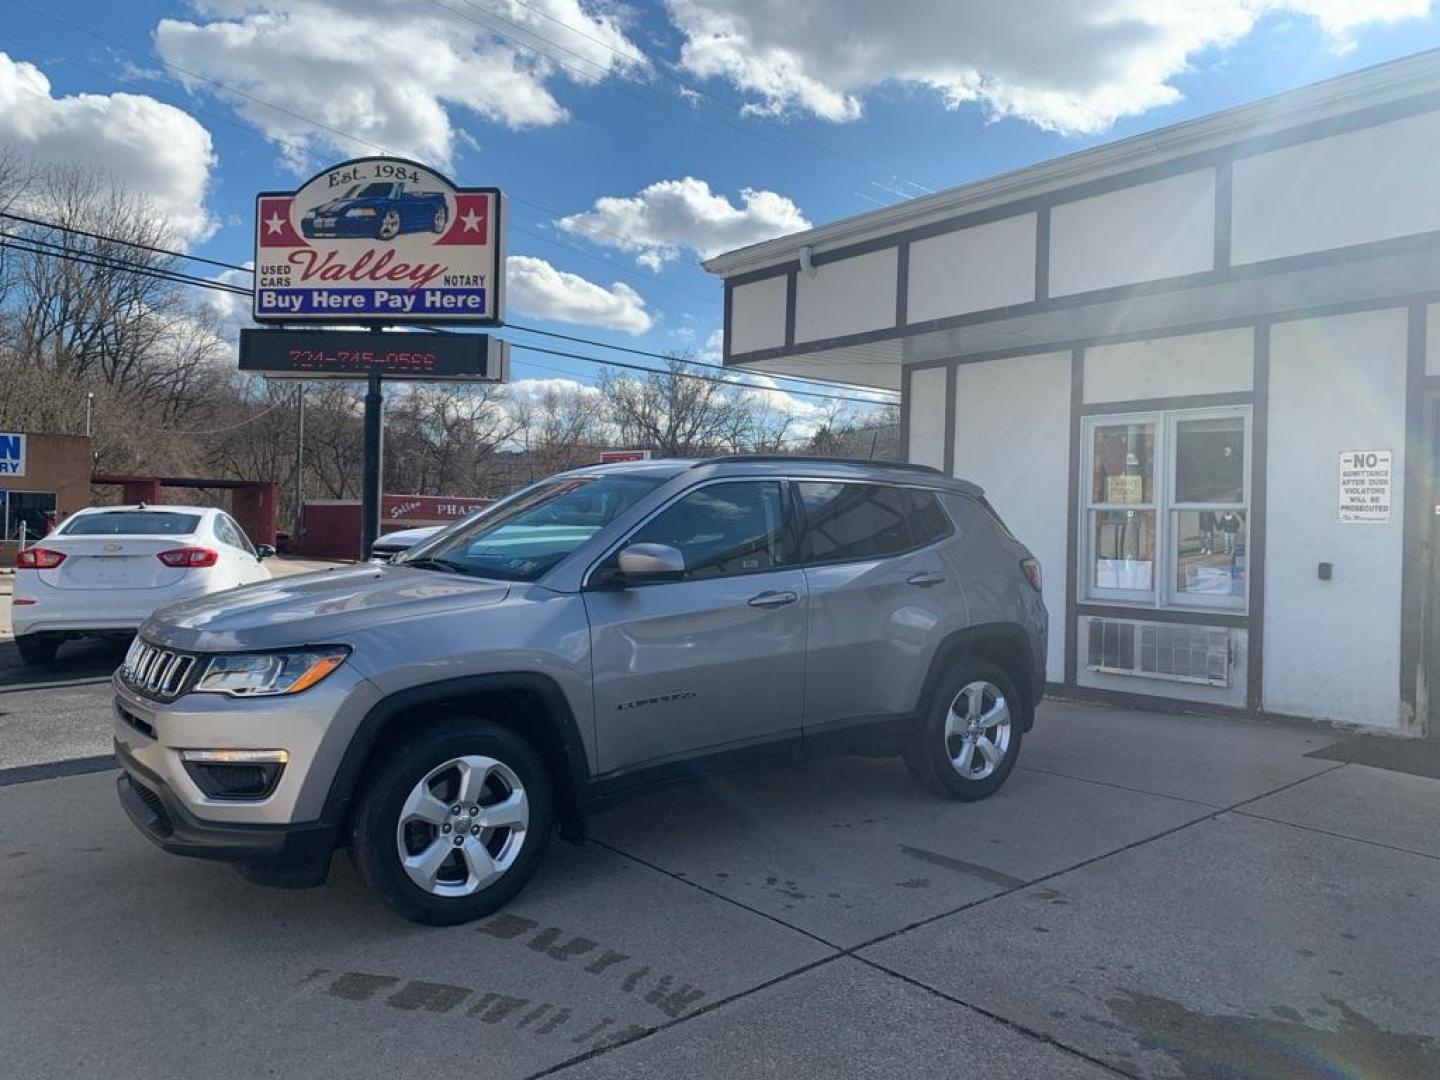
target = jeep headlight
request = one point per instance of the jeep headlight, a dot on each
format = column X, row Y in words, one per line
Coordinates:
column 360, row 211
column 269, row 674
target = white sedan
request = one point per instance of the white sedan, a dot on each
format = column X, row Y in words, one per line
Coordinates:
column 105, row 569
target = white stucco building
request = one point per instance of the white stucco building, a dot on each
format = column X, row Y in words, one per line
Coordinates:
column 1161, row 358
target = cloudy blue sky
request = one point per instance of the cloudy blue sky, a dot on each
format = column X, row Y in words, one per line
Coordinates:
column 635, row 139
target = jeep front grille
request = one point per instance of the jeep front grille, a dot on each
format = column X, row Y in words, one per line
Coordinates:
column 156, row 671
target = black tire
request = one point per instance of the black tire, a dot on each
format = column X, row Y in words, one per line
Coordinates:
column 927, row 753
column 38, row 649
column 441, row 219
column 373, row 840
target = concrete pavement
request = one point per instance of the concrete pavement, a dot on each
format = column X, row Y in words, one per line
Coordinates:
column 1149, row 896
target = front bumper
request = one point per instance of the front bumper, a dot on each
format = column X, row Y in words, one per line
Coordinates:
column 165, row 820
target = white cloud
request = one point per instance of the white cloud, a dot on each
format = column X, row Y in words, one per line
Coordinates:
column 531, row 391
column 1062, row 65
column 388, row 73
column 154, row 149
column 534, row 287
column 231, row 310
column 671, row 216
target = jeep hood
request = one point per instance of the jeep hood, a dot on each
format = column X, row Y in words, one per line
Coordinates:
column 315, row 609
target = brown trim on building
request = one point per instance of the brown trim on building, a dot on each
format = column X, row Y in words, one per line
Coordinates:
column 1072, row 520
column 1224, row 190
column 1426, row 241
column 902, row 284
column 1255, row 552
column 906, row 400
column 1185, row 616
column 951, row 381
column 791, row 285
column 1189, row 401
column 1415, row 619
column 1042, row 253
column 726, row 323
column 1217, row 158
column 1160, row 333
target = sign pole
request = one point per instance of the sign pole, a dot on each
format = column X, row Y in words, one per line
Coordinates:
column 374, row 450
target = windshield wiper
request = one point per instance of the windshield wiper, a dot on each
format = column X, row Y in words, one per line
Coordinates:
column 431, row 563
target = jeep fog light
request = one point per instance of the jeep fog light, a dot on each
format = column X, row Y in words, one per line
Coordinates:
column 235, row 774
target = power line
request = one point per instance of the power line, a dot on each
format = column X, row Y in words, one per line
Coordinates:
column 180, row 279
column 205, row 282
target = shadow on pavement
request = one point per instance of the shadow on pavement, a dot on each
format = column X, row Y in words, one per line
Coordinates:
column 87, row 658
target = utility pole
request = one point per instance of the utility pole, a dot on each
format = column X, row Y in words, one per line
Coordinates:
column 297, row 525
column 374, row 472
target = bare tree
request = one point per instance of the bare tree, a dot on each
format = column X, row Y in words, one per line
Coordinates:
column 671, row 412
column 560, row 428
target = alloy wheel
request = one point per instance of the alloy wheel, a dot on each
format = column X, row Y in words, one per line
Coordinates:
column 462, row 826
column 977, row 730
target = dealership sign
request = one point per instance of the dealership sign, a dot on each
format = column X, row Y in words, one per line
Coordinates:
column 429, row 509
column 358, row 354
column 12, row 453
column 380, row 240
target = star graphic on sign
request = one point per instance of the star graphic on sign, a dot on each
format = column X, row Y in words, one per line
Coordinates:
column 274, row 223
column 471, row 220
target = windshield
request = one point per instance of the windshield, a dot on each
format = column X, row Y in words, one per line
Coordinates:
column 525, row 536
column 132, row 523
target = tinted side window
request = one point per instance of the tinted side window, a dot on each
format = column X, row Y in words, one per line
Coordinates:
column 928, row 522
column 225, row 532
column 724, row 529
column 241, row 540
column 853, row 521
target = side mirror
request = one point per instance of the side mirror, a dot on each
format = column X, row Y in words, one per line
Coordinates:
column 651, row 562
column 264, row 551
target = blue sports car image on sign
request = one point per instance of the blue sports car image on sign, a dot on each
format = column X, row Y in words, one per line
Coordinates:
column 381, row 209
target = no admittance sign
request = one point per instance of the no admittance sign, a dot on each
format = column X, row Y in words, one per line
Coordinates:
column 1365, row 486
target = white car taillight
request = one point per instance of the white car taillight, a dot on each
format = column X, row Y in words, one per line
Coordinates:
column 39, row 559
column 189, row 557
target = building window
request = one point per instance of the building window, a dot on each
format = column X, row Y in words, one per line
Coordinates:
column 32, row 510
column 1167, row 508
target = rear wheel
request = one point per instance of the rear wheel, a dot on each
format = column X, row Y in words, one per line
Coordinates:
column 455, row 823
column 969, row 737
column 37, row 649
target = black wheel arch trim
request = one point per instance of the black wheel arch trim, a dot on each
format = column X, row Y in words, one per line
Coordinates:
column 973, row 640
column 570, row 808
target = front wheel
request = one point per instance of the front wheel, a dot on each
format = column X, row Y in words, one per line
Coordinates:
column 441, row 219
column 969, row 737
column 455, row 823
column 389, row 225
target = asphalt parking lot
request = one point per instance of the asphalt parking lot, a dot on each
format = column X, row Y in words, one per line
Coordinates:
column 1149, row 896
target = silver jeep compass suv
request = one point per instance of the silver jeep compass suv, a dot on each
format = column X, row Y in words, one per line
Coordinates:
column 595, row 633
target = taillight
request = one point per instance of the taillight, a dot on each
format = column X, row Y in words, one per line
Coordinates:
column 39, row 559
column 1031, row 567
column 189, row 556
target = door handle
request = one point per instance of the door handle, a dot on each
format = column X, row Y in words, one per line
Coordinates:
column 925, row 579
column 773, row 599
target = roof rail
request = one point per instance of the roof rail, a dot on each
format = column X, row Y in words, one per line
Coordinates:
column 817, row 459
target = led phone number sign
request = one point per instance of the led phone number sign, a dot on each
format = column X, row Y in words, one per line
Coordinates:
column 338, row 354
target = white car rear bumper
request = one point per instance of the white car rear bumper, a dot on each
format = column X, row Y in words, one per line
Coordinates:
column 95, row 610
